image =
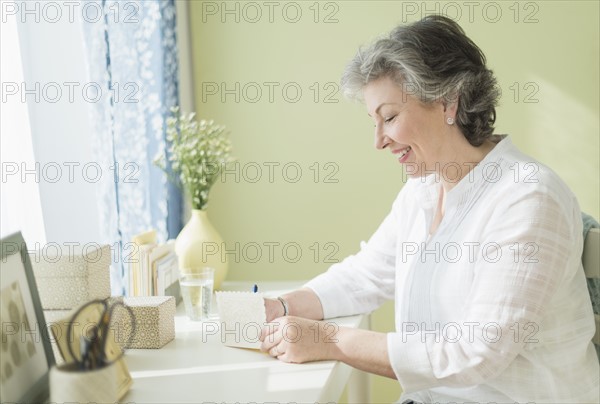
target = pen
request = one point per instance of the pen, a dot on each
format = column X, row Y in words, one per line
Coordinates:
column 255, row 288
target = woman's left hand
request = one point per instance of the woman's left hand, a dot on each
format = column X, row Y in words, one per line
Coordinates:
column 298, row 340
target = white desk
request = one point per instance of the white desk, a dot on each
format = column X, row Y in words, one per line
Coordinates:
column 193, row 368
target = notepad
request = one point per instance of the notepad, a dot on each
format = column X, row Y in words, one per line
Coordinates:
column 242, row 316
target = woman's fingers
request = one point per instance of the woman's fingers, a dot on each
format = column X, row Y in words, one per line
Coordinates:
column 277, row 351
column 274, row 351
column 298, row 340
column 268, row 330
column 281, row 338
column 270, row 336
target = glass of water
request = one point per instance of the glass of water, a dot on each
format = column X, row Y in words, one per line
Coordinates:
column 197, row 289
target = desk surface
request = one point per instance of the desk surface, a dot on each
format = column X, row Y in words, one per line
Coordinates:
column 197, row 367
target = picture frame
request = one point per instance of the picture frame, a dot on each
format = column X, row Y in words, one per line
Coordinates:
column 25, row 340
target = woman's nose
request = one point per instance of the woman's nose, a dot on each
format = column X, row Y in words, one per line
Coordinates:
column 381, row 140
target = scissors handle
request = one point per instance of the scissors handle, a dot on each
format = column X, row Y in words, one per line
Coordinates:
column 93, row 349
column 84, row 349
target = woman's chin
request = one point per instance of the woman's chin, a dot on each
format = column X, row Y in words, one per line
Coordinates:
column 413, row 169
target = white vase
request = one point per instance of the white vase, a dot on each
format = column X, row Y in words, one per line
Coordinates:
column 199, row 245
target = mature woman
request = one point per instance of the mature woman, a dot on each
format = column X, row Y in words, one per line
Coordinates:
column 481, row 250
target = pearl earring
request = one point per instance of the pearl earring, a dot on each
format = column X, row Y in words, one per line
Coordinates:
column 450, row 120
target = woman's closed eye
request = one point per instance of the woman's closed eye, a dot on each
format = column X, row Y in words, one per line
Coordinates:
column 390, row 119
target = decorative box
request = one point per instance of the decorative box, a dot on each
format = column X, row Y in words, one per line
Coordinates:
column 72, row 278
column 154, row 321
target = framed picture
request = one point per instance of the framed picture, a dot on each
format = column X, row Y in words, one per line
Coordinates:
column 26, row 356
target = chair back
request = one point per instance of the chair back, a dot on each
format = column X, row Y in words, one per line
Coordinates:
column 591, row 267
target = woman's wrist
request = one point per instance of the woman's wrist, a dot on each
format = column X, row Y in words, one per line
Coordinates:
column 303, row 303
column 284, row 305
column 336, row 351
column 273, row 308
column 300, row 303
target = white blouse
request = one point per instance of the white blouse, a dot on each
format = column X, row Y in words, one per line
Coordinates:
column 493, row 307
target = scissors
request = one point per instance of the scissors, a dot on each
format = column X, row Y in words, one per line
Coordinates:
column 93, row 350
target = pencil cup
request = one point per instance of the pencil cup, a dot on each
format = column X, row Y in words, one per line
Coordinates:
column 70, row 384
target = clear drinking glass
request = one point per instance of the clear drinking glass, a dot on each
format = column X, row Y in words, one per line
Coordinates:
column 196, row 290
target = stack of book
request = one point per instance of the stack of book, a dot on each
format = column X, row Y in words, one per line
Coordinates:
column 153, row 267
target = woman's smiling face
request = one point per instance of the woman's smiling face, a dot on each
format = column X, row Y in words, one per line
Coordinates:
column 417, row 134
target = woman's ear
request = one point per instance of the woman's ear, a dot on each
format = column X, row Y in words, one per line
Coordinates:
column 450, row 103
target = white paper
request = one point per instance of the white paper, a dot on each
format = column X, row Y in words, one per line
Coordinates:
column 242, row 316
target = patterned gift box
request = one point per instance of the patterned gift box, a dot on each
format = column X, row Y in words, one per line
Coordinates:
column 72, row 278
column 154, row 321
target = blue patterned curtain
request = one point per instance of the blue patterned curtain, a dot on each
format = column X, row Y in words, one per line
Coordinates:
column 132, row 60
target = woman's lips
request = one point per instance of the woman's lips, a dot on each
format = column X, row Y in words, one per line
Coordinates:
column 403, row 153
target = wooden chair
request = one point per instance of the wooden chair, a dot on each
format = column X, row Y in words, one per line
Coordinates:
column 591, row 267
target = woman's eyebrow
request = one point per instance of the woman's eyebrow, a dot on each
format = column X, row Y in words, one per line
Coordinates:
column 381, row 105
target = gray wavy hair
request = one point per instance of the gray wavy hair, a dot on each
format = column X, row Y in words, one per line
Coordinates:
column 432, row 60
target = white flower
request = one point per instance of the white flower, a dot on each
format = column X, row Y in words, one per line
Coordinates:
column 197, row 153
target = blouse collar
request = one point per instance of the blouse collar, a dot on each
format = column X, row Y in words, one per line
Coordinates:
column 486, row 170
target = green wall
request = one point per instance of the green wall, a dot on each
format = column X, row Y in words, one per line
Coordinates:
column 546, row 50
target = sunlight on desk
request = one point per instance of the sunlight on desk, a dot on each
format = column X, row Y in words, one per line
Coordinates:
column 282, row 380
column 197, row 370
